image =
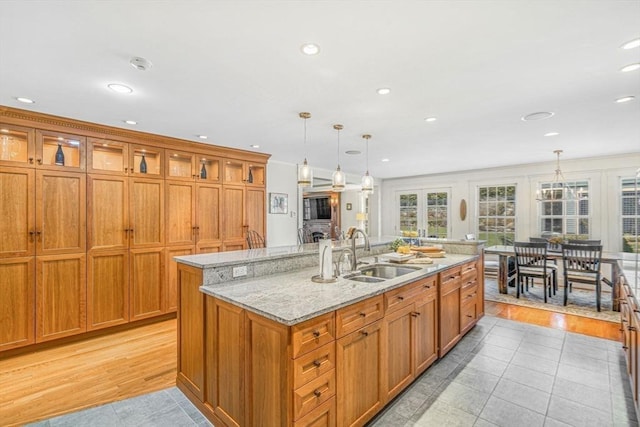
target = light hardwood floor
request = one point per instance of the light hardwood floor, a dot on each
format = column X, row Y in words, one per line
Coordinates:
column 108, row 368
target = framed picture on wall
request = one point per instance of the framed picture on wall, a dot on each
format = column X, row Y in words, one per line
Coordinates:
column 278, row 203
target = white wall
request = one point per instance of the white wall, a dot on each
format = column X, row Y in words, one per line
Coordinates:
column 603, row 174
column 282, row 230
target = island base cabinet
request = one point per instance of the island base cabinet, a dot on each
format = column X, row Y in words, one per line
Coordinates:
column 359, row 375
column 322, row 416
column 426, row 333
column 225, row 362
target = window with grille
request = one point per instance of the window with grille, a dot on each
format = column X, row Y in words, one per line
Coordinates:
column 437, row 212
column 409, row 212
column 497, row 214
column 630, row 214
column 564, row 209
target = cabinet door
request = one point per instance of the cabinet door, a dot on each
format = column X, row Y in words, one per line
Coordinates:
column 225, row 367
column 17, row 210
column 61, row 296
column 398, row 336
column 61, row 211
column 180, row 213
column 107, row 157
column 255, row 210
column 449, row 319
column 108, row 212
column 146, row 161
column 256, row 174
column 233, row 216
column 171, row 283
column 208, row 217
column 359, row 375
column 17, row 305
column 146, row 283
column 146, row 212
column 17, row 146
column 49, row 144
column 234, row 172
column 180, row 165
column 425, row 319
column 108, row 289
column 212, row 168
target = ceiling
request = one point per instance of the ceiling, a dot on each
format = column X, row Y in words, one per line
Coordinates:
column 234, row 71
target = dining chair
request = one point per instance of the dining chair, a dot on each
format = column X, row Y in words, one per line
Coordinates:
column 553, row 264
column 531, row 263
column 254, row 240
column 581, row 264
column 304, row 236
column 583, row 242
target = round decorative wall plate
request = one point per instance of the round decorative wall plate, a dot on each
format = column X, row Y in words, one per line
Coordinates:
column 463, row 209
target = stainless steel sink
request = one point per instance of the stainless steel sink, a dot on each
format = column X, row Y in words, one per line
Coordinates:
column 387, row 271
column 380, row 272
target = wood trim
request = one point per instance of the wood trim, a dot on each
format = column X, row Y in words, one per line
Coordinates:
column 62, row 124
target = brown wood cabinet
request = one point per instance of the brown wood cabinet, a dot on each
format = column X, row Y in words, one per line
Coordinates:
column 449, row 309
column 88, row 237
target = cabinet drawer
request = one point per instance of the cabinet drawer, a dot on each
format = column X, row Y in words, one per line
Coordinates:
column 312, row 365
column 449, row 280
column 355, row 316
column 313, row 394
column 468, row 271
column 312, row 334
column 469, row 292
column 468, row 315
column 401, row 297
column 322, row 416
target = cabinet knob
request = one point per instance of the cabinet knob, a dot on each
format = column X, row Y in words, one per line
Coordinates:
column 317, row 363
column 468, row 315
column 631, row 328
column 39, row 161
column 400, row 297
column 365, row 333
column 316, row 334
column 427, row 286
column 624, row 347
column 362, row 314
column 317, row 393
column 30, row 160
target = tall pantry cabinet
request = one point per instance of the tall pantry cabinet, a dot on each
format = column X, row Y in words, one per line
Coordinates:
column 93, row 216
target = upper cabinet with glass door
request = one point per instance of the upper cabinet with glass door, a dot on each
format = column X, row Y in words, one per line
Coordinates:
column 146, row 161
column 16, row 146
column 55, row 150
column 248, row 173
column 192, row 167
column 107, row 157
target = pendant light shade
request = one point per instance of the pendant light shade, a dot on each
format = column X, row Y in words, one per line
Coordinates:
column 305, row 174
column 338, row 180
column 367, row 180
column 557, row 190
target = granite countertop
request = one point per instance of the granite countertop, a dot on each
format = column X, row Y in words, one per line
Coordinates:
column 290, row 298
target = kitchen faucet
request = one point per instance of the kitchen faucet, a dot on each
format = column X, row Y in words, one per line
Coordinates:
column 367, row 246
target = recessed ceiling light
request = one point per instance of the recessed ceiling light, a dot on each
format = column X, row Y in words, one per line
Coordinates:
column 254, row 146
column 25, row 100
column 130, row 122
column 353, row 152
column 631, row 44
column 310, row 49
column 119, row 88
column 384, row 91
column 384, row 160
column 203, row 136
column 551, row 134
column 430, row 119
column 630, row 67
column 625, row 99
column 541, row 115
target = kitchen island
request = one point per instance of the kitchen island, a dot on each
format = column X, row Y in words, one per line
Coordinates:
column 275, row 348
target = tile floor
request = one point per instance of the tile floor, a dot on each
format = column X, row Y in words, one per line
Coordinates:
column 502, row 373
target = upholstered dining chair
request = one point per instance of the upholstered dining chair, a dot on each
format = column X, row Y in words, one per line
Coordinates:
column 581, row 264
column 304, row 236
column 254, row 240
column 532, row 263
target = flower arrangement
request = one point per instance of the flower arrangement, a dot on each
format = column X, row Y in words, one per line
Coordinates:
column 556, row 240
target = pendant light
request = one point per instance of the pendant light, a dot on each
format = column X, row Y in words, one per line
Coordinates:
column 305, row 174
column 367, row 180
column 338, row 179
column 557, row 190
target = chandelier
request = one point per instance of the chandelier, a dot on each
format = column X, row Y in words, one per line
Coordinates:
column 558, row 190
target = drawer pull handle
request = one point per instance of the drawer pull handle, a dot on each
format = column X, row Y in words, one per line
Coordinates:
column 317, row 393
column 468, row 315
column 365, row 333
column 401, row 298
column 631, row 328
column 415, row 314
column 317, row 363
column 427, row 286
column 316, row 334
column 363, row 314
column 624, row 347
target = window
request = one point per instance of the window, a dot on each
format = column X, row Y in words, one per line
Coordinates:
column 409, row 212
column 630, row 218
column 564, row 209
column 437, row 214
column 497, row 214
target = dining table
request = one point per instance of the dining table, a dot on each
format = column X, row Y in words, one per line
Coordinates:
column 505, row 251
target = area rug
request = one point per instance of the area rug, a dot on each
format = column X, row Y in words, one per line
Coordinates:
column 580, row 302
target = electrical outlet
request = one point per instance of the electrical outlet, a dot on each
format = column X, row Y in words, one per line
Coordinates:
column 240, row 271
